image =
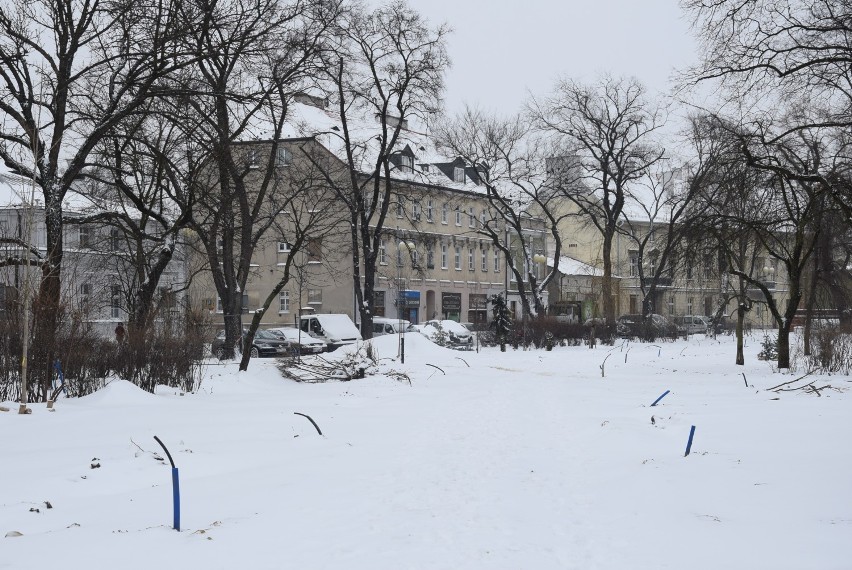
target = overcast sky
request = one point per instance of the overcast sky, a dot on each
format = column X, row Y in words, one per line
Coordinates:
column 502, row 49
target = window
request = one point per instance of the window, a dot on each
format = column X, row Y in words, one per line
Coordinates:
column 379, row 303
column 634, row 263
column 708, row 267
column 430, row 259
column 471, row 218
column 689, row 306
column 283, row 157
column 470, row 260
column 671, row 305
column 114, row 239
column 415, row 210
column 443, row 256
column 400, row 207
column 252, row 158
column 383, row 253
column 115, row 301
column 689, row 274
column 414, row 258
column 429, row 208
column 484, row 261
column 399, row 257
column 219, row 307
column 444, row 212
column 85, row 292
column 244, row 303
column 314, row 249
column 314, row 296
column 284, row 302
column 458, row 258
column 458, row 216
column 458, row 174
column 496, row 260
column 85, row 236
column 283, row 247
column 168, row 298
column 406, row 163
column 482, row 219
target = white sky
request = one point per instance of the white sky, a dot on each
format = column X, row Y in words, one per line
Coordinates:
column 501, row 49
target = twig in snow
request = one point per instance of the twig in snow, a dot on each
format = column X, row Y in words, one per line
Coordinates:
column 791, row 381
column 433, row 366
column 463, row 360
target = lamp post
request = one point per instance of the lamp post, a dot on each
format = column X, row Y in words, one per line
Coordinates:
column 408, row 247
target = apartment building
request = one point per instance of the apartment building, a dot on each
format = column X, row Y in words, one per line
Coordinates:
column 433, row 260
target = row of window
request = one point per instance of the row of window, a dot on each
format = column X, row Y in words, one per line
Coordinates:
column 87, row 238
column 445, row 253
column 445, row 213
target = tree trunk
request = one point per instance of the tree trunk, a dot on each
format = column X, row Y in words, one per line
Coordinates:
column 47, row 304
column 784, row 346
column 608, row 305
column 740, row 325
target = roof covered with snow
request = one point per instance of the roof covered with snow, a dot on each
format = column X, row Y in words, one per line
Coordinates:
column 571, row 266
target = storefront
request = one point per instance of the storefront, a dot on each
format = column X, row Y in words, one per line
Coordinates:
column 451, row 306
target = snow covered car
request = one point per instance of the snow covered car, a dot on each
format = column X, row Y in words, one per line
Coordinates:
column 654, row 326
column 457, row 334
column 335, row 330
column 305, row 343
column 265, row 344
column 384, row 325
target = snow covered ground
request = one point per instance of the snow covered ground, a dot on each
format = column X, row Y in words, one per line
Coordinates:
column 522, row 460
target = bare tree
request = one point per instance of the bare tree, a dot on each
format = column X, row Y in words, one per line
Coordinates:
column 252, row 57
column 769, row 51
column 70, row 71
column 386, row 69
column 510, row 162
column 607, row 130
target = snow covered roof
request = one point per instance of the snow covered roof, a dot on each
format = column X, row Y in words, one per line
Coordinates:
column 571, row 266
column 428, row 166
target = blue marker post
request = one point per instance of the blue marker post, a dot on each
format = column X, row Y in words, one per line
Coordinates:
column 660, row 398
column 689, row 443
column 175, row 486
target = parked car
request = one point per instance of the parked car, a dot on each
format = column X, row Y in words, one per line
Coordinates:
column 457, row 333
column 302, row 341
column 692, row 324
column 655, row 326
column 384, row 325
column 335, row 330
column 265, row 344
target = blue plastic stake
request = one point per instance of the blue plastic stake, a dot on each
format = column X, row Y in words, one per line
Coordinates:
column 176, row 497
column 689, row 443
column 660, row 398
column 175, row 486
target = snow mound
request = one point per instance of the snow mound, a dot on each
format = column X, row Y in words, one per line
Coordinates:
column 120, row 392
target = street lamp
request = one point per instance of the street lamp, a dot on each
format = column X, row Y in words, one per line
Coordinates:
column 408, row 247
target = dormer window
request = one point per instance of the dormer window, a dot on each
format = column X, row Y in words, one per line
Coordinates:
column 458, row 174
column 406, row 163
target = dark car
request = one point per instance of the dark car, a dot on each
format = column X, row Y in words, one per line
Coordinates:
column 652, row 326
column 265, row 344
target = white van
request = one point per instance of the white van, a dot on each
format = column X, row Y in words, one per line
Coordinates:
column 335, row 329
column 692, row 324
column 384, row 325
